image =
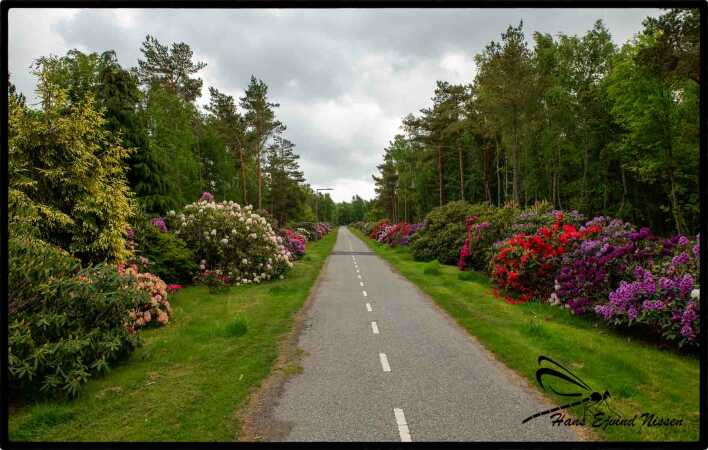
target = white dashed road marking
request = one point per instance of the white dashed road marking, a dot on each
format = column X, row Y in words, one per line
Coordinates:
column 364, row 292
column 374, row 328
column 368, row 307
column 361, row 283
column 402, row 425
column 384, row 362
column 358, row 276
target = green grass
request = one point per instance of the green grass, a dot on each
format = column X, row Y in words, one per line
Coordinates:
column 639, row 376
column 189, row 379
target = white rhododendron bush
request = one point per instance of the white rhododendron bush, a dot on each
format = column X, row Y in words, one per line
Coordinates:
column 231, row 240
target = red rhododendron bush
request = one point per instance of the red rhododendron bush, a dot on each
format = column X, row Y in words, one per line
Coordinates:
column 525, row 265
column 379, row 228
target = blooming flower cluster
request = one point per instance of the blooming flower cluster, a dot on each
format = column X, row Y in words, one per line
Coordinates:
column 663, row 295
column 159, row 223
column 525, row 265
column 295, row 242
column 216, row 280
column 157, row 309
column 475, row 243
column 313, row 231
column 604, row 267
column 379, row 229
column 232, row 239
column 398, row 234
column 589, row 270
column 171, row 288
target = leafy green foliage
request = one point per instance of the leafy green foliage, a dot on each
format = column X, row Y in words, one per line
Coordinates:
column 71, row 172
column 444, row 232
column 572, row 120
column 168, row 255
column 64, row 326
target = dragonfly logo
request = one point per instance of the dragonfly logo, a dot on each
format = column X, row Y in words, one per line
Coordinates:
column 558, row 379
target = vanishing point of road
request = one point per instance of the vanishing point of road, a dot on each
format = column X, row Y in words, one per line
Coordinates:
column 383, row 363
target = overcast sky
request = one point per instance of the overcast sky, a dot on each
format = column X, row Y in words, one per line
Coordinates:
column 344, row 78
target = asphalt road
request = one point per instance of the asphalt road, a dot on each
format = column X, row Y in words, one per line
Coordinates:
column 411, row 375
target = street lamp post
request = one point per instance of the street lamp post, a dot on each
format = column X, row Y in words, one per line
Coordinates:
column 317, row 206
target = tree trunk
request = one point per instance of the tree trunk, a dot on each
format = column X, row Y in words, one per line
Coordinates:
column 586, row 163
column 486, row 160
column 675, row 208
column 440, row 175
column 462, row 173
column 243, row 175
column 260, row 181
column 516, row 166
column 498, row 172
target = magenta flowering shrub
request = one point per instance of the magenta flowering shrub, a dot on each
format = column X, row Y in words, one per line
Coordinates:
column 312, row 231
column 473, row 253
column 231, row 239
column 294, row 242
column 398, row 234
column 663, row 295
column 206, row 197
column 592, row 269
column 159, row 223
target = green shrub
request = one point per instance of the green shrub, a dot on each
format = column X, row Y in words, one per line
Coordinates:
column 33, row 265
column 168, row 255
column 492, row 226
column 444, row 232
column 65, row 327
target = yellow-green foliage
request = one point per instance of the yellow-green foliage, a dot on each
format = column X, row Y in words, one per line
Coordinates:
column 67, row 173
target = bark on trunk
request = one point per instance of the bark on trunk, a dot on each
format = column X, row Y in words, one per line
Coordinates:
column 462, row 173
column 440, row 180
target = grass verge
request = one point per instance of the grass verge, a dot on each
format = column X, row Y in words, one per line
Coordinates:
column 189, row 378
column 640, row 377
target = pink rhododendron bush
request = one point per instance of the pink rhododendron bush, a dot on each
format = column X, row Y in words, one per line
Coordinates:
column 156, row 309
column 231, row 240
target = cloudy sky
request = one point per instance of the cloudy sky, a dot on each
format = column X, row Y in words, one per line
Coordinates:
column 344, row 78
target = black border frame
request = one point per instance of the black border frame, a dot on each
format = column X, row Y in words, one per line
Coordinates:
column 7, row 5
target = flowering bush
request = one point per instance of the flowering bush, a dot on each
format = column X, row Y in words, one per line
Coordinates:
column 172, row 288
column 525, row 265
column 664, row 295
column 378, row 228
column 214, row 279
column 315, row 231
column 294, row 242
column 444, row 232
column 541, row 214
column 399, row 234
column 159, row 223
column 227, row 237
column 474, row 244
column 591, row 269
column 156, row 308
column 65, row 323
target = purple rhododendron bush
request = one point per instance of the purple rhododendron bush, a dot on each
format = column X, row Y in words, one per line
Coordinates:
column 231, row 240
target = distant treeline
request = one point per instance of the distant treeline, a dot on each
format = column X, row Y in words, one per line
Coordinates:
column 573, row 120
